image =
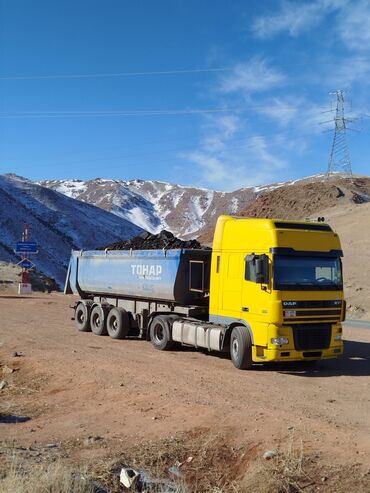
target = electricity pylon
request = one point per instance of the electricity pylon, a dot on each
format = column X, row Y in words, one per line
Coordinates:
column 339, row 160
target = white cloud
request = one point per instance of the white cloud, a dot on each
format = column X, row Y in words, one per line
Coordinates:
column 232, row 171
column 354, row 25
column 283, row 111
column 351, row 22
column 292, row 17
column 218, row 130
column 228, row 158
column 230, row 155
column 261, row 153
column 251, row 77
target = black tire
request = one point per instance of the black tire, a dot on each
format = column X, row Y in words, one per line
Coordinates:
column 241, row 348
column 82, row 317
column 160, row 333
column 98, row 320
column 118, row 323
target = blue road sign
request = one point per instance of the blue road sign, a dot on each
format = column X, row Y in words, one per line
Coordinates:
column 26, row 247
column 26, row 264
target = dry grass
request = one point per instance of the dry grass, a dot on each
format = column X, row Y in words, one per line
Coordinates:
column 206, row 462
column 51, row 478
column 215, row 466
column 283, row 474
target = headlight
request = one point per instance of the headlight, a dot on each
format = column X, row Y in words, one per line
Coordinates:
column 338, row 337
column 279, row 341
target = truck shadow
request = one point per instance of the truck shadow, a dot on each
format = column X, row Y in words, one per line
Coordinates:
column 354, row 362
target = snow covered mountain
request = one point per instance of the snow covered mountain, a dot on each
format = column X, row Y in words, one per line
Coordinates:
column 58, row 224
column 155, row 205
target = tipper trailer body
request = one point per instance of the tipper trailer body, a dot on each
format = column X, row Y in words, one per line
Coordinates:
column 269, row 290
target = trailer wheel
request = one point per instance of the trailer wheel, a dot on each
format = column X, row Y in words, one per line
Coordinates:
column 82, row 316
column 160, row 333
column 98, row 320
column 241, row 348
column 118, row 323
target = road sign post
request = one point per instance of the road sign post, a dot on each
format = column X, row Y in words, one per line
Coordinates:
column 25, row 248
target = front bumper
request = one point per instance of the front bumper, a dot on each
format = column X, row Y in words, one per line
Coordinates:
column 281, row 354
column 313, row 342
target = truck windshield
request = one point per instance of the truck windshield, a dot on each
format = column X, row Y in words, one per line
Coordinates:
column 307, row 273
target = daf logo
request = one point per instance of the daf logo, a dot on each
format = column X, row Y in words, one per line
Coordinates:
column 289, row 303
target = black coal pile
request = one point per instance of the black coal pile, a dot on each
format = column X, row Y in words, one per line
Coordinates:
column 148, row 241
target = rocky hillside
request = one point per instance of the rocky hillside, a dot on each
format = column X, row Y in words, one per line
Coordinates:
column 155, row 205
column 58, row 224
column 301, row 199
column 306, row 198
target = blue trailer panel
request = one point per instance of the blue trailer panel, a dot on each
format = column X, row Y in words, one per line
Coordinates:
column 180, row 276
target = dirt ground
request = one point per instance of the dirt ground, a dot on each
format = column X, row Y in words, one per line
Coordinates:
column 92, row 397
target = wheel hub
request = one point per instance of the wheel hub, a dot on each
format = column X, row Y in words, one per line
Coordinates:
column 235, row 348
column 159, row 332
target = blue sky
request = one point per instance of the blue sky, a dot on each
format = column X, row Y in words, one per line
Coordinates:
column 214, row 93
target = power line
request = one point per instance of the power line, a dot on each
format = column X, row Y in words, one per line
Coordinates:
column 117, row 74
column 58, row 114
column 145, row 73
column 93, row 113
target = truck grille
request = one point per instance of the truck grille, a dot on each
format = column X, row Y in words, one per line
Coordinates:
column 312, row 311
column 307, row 336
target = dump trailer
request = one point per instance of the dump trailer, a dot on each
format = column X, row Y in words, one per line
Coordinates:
column 269, row 290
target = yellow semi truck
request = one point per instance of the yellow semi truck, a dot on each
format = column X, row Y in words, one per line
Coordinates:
column 269, row 290
column 281, row 281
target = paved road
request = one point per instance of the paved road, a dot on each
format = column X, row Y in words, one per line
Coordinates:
column 358, row 324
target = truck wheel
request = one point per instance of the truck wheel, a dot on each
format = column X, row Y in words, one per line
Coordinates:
column 118, row 323
column 98, row 320
column 160, row 333
column 241, row 348
column 82, row 317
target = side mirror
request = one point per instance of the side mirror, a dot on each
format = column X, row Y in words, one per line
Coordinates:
column 262, row 269
column 259, row 270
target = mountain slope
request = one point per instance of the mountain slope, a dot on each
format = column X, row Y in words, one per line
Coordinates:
column 300, row 199
column 58, row 223
column 189, row 211
column 305, row 198
column 155, row 205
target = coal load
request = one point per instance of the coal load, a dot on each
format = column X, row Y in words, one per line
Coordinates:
column 147, row 241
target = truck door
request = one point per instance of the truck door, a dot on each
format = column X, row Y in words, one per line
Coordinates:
column 231, row 292
column 255, row 294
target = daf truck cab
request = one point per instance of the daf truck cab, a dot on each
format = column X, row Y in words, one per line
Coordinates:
column 279, row 282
